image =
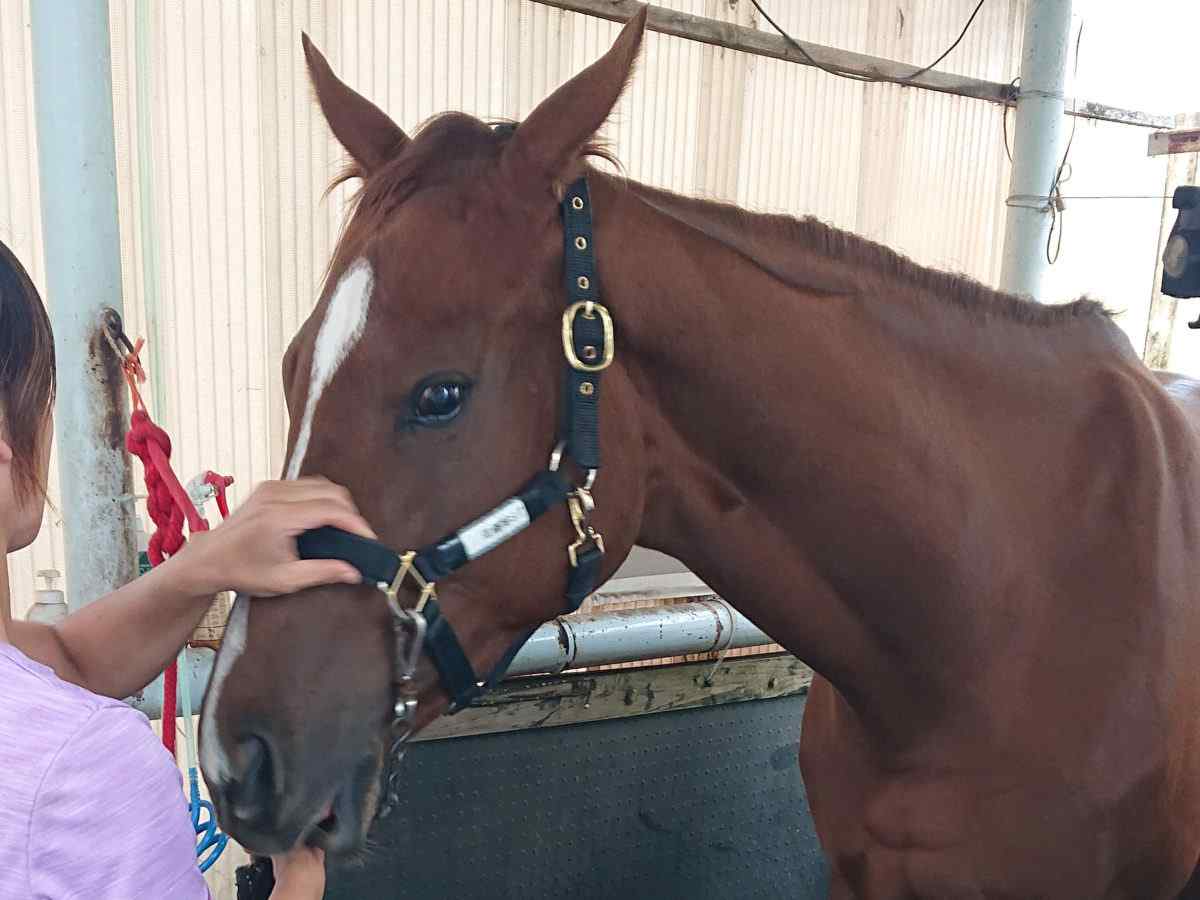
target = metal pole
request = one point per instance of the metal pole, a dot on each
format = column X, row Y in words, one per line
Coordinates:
column 77, row 158
column 572, row 642
column 1036, row 145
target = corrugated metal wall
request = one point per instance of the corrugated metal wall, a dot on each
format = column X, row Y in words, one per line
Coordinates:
column 223, row 161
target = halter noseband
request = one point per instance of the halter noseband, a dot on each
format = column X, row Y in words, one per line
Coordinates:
column 588, row 345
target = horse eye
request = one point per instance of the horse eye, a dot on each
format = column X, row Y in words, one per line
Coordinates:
column 436, row 403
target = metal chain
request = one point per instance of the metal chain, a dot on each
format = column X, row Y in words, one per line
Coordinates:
column 391, row 774
column 409, row 628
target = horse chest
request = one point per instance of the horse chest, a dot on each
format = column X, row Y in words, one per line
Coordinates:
column 940, row 839
column 1007, row 825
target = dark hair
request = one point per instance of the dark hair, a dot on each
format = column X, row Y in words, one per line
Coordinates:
column 26, row 371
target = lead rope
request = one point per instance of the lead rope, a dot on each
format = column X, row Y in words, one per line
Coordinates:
column 210, row 840
column 168, row 505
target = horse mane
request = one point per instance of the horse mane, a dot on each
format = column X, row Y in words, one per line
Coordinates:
column 753, row 233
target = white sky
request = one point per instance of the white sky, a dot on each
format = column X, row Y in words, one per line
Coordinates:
column 1139, row 55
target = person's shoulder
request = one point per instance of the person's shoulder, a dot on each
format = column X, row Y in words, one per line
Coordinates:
column 39, row 714
column 111, row 814
column 33, row 689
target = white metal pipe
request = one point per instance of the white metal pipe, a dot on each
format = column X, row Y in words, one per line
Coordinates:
column 77, row 160
column 572, row 642
column 1036, row 145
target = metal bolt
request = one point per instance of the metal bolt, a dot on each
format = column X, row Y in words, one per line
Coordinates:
column 590, row 353
column 583, row 282
column 581, row 243
column 577, row 202
column 587, row 389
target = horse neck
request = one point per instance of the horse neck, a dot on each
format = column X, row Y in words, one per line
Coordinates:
column 812, row 455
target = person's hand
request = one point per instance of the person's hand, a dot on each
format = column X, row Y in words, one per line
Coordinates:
column 254, row 550
column 299, row 874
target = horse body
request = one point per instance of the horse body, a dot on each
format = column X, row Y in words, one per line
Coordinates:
column 972, row 515
column 989, row 520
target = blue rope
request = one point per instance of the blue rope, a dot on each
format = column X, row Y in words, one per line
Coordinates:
column 210, row 843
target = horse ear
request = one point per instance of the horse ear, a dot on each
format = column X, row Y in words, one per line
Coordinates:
column 368, row 135
column 550, row 139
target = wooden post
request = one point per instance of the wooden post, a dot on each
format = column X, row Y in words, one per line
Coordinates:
column 1183, row 164
column 548, row 701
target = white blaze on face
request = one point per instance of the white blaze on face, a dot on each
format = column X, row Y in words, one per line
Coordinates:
column 345, row 319
column 342, row 327
column 213, row 758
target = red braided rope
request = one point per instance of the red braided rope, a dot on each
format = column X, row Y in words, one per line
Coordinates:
column 168, row 505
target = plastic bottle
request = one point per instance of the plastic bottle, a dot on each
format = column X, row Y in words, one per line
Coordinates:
column 143, row 544
column 50, row 606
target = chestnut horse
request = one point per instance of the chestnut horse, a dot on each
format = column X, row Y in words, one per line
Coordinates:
column 973, row 515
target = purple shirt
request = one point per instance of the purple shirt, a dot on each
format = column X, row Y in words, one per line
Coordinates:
column 91, row 805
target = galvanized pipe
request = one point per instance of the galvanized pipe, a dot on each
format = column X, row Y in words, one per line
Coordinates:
column 572, row 642
column 1037, row 144
column 72, row 83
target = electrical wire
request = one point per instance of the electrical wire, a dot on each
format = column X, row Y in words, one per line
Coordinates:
column 1057, row 206
column 1074, row 197
column 854, row 76
column 1007, row 149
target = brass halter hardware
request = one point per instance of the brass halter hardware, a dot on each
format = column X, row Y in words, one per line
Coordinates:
column 589, row 309
column 580, row 505
column 392, row 591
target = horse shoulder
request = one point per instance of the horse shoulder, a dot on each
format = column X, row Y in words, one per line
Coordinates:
column 1139, row 436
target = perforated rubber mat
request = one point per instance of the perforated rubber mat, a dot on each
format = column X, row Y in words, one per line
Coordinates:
column 697, row 804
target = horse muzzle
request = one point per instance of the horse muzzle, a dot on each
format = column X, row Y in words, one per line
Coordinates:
column 269, row 807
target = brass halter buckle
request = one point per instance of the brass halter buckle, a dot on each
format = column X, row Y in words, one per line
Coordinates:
column 589, row 309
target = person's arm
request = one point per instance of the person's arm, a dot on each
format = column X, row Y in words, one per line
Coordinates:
column 117, row 645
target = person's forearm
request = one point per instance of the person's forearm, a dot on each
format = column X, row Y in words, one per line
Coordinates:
column 118, row 644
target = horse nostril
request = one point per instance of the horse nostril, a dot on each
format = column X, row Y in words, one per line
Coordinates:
column 253, row 791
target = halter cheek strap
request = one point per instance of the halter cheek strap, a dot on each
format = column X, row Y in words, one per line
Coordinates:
column 587, row 333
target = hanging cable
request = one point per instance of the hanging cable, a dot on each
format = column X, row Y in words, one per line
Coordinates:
column 1007, row 149
column 854, row 76
column 1057, row 201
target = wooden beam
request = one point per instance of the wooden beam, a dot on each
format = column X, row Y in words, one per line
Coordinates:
column 1180, row 140
column 671, row 586
column 1088, row 109
column 544, row 702
column 762, row 43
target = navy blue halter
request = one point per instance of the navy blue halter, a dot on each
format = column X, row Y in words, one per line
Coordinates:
column 588, row 346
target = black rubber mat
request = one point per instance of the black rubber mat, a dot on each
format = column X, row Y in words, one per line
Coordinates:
column 704, row 803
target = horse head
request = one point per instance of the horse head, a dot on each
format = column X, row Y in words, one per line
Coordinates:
column 429, row 380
